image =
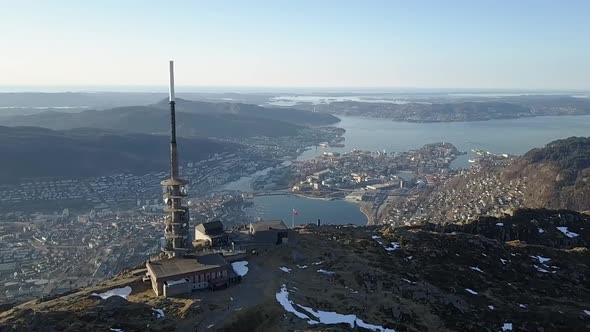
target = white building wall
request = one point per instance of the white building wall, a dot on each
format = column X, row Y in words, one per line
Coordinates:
column 201, row 236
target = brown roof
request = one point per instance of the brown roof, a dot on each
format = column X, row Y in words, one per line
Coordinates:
column 176, row 266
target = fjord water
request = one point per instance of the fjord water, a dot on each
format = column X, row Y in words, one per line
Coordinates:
column 513, row 136
column 309, row 210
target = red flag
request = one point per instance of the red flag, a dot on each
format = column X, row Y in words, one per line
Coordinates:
column 295, row 213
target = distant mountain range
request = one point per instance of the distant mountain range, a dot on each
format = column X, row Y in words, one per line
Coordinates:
column 39, row 152
column 105, row 99
column 194, row 119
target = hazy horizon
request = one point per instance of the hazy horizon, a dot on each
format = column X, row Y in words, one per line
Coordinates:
column 330, row 45
column 269, row 89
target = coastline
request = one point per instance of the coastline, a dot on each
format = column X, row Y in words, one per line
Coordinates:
column 368, row 212
column 313, row 197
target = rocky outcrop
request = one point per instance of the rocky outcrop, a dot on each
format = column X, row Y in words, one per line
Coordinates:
column 530, row 226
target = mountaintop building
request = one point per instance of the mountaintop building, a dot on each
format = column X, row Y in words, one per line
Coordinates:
column 176, row 276
column 269, row 232
column 212, row 233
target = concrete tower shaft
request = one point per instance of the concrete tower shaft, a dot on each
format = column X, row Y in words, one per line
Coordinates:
column 176, row 231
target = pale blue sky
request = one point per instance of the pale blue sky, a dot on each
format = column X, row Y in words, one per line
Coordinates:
column 425, row 44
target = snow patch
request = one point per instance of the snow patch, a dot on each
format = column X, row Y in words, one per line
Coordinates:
column 587, row 312
column 567, row 233
column 326, row 272
column 284, row 269
column 317, row 263
column 540, row 269
column 372, row 327
column 351, row 290
column 240, row 268
column 491, row 307
column 302, row 266
column 541, row 231
column 471, row 291
column 283, row 298
column 475, row 268
column 159, row 313
column 115, row 330
column 541, row 259
column 327, row 317
column 394, row 246
column 324, row 317
column 507, row 327
column 499, row 224
column 503, row 261
column 122, row 292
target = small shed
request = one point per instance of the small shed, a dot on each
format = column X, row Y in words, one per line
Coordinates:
column 269, row 232
column 212, row 232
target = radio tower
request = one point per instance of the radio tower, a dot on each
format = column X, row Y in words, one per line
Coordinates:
column 176, row 232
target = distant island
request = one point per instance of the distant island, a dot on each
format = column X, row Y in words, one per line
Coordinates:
column 458, row 110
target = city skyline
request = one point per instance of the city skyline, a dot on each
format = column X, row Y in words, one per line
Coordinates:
column 304, row 45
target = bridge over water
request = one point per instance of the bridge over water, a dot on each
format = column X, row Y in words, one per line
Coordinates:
column 270, row 193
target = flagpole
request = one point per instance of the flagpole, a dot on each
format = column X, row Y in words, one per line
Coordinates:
column 293, row 218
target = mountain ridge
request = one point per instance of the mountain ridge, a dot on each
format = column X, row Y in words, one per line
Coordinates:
column 194, row 119
column 84, row 152
column 438, row 278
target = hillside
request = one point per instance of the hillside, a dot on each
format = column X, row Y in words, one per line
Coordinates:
column 194, row 119
column 90, row 152
column 486, row 276
column 289, row 115
column 556, row 176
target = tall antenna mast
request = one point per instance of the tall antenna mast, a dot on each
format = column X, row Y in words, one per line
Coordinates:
column 176, row 232
column 173, row 151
